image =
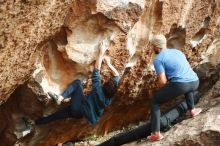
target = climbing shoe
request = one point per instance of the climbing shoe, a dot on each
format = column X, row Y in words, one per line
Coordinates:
column 195, row 112
column 154, row 137
column 55, row 97
column 28, row 127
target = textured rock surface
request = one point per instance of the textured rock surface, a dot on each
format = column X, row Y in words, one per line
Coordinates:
column 25, row 25
column 64, row 52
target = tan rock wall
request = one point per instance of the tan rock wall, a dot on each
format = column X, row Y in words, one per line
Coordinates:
column 25, row 25
column 64, row 52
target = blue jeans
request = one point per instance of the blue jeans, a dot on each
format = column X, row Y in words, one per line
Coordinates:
column 168, row 92
column 74, row 110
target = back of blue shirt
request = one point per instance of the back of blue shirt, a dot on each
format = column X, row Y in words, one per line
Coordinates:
column 175, row 65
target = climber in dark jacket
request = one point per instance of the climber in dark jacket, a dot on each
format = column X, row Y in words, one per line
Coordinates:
column 92, row 105
column 175, row 78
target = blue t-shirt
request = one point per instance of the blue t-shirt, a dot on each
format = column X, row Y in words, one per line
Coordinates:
column 175, row 66
column 96, row 102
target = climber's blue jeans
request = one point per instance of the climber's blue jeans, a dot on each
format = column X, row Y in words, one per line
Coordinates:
column 74, row 110
column 168, row 92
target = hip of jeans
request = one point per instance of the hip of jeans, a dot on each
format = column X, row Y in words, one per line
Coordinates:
column 192, row 84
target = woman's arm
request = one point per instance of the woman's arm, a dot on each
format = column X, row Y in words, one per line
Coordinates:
column 113, row 69
column 102, row 48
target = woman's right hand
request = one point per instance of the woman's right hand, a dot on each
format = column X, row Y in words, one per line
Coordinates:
column 103, row 46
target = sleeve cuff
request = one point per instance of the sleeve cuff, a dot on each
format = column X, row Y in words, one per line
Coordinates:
column 116, row 78
column 96, row 70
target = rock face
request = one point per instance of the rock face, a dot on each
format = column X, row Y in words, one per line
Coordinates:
column 25, row 25
column 55, row 41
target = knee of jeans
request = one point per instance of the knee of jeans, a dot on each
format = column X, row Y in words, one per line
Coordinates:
column 77, row 81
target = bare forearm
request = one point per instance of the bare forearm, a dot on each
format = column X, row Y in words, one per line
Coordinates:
column 162, row 80
column 98, row 62
column 113, row 69
column 102, row 48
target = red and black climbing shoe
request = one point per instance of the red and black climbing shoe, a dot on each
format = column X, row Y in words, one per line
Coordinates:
column 196, row 111
column 154, row 137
